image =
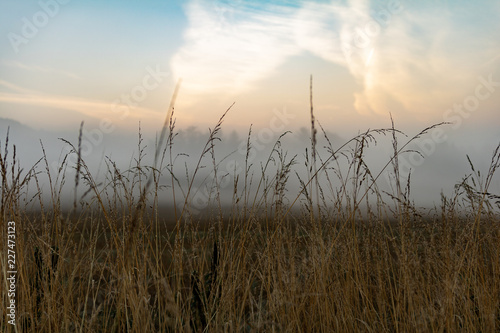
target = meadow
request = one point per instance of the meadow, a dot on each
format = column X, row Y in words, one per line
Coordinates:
column 341, row 256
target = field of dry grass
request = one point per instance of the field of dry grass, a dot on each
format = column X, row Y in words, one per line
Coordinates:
column 342, row 260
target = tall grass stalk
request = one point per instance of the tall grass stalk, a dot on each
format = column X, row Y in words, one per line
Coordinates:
column 335, row 257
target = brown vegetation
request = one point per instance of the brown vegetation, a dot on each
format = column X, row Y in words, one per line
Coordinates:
column 115, row 264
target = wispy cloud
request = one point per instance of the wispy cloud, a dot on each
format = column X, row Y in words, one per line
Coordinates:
column 326, row 29
column 35, row 68
column 424, row 62
column 92, row 108
column 411, row 60
column 228, row 48
column 405, row 59
column 13, row 87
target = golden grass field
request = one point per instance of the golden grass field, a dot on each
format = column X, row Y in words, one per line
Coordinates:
column 332, row 263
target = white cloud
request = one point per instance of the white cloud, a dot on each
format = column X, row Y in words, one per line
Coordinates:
column 23, row 66
column 424, row 63
column 227, row 55
column 92, row 108
column 413, row 60
column 327, row 29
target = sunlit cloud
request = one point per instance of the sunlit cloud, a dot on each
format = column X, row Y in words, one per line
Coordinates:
column 14, row 87
column 328, row 29
column 419, row 65
column 230, row 48
column 403, row 60
column 227, row 48
column 19, row 65
column 90, row 108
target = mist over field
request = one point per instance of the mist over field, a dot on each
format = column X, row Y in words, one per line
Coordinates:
column 435, row 169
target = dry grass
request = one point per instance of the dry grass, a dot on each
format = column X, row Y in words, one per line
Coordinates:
column 115, row 265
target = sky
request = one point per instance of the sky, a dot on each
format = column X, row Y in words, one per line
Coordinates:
column 114, row 64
